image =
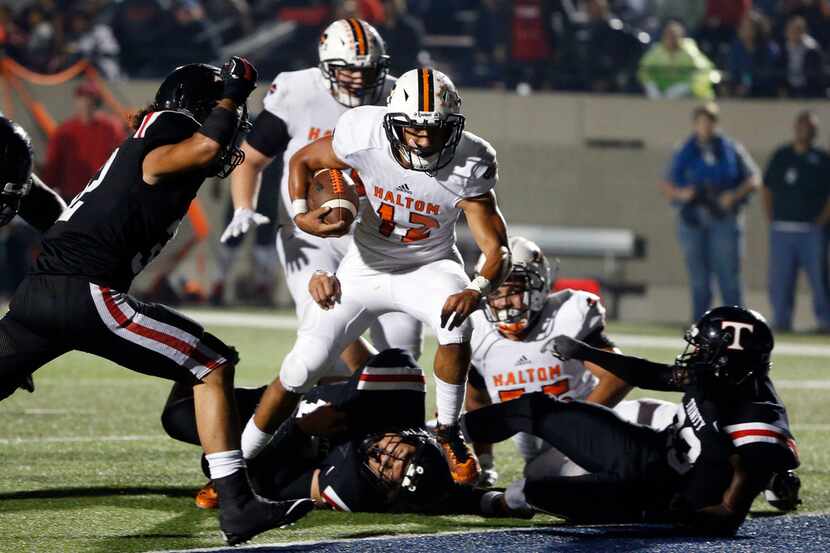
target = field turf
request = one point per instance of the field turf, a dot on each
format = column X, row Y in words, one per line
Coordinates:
column 87, row 467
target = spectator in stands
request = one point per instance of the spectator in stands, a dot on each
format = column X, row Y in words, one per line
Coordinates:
column 720, row 25
column 404, row 35
column 141, row 28
column 676, row 68
column 371, row 11
column 803, row 62
column 81, row 144
column 531, row 39
column 754, row 59
column 708, row 182
column 40, row 41
column 604, row 51
column 815, row 12
column 95, row 43
column 797, row 203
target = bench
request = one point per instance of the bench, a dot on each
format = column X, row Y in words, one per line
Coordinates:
column 613, row 245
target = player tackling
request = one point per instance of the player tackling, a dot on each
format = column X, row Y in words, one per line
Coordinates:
column 420, row 170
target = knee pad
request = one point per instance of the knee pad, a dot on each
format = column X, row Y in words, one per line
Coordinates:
column 303, row 367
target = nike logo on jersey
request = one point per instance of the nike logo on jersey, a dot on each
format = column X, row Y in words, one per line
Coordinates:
column 407, row 202
column 523, row 360
column 404, row 188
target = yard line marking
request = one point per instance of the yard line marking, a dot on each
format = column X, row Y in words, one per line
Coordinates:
column 785, row 384
column 289, row 322
column 81, row 439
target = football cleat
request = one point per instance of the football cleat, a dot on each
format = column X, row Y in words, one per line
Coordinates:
column 782, row 491
column 464, row 466
column 243, row 514
column 207, row 497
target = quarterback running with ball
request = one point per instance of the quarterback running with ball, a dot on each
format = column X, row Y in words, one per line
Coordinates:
column 420, row 170
column 300, row 107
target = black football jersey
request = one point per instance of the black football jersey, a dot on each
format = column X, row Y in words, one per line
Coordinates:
column 118, row 224
column 706, row 432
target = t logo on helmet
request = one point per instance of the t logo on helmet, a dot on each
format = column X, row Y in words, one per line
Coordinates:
column 736, row 340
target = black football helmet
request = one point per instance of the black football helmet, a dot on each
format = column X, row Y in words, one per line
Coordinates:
column 426, row 477
column 195, row 89
column 15, row 168
column 727, row 346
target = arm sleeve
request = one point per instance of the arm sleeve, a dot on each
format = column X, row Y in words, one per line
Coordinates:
column 42, row 206
column 353, row 133
column 581, row 315
column 269, row 135
column 634, row 370
column 484, row 172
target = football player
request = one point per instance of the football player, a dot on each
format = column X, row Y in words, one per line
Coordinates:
column 76, row 297
column 23, row 193
column 300, row 107
column 337, row 449
column 730, row 435
column 512, row 345
column 420, row 170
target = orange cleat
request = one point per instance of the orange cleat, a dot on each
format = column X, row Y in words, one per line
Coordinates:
column 207, row 497
column 464, row 466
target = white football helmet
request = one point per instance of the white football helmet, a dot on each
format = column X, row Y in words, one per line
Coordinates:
column 531, row 277
column 354, row 45
column 424, row 99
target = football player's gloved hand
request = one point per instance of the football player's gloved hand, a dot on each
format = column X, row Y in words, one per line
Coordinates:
column 567, row 348
column 458, row 307
column 324, row 288
column 239, row 77
column 242, row 220
column 11, row 196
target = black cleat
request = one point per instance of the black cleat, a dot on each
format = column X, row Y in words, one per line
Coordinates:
column 782, row 491
column 243, row 514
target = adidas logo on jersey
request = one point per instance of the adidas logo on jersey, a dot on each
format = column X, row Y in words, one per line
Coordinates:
column 523, row 360
column 404, row 188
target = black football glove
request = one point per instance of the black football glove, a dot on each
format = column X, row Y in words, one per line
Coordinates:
column 11, row 196
column 566, row 347
column 239, row 79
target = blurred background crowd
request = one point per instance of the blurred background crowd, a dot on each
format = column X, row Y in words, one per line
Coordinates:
column 662, row 48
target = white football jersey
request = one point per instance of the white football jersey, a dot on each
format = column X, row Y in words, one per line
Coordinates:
column 303, row 100
column 409, row 218
column 512, row 368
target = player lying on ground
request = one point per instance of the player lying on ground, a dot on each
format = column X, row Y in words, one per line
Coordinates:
column 703, row 472
column 420, row 170
column 512, row 347
column 300, row 107
column 357, row 445
column 76, row 296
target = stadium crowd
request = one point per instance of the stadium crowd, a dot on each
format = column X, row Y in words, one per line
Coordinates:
column 664, row 48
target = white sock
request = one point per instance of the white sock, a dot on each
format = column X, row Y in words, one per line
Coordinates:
column 450, row 399
column 224, row 463
column 254, row 440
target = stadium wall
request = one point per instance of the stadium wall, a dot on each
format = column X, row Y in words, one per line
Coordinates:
column 591, row 160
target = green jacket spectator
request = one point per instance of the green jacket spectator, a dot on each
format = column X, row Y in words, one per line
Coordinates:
column 676, row 68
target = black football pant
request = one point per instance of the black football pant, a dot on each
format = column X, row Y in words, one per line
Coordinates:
column 629, row 474
column 52, row 315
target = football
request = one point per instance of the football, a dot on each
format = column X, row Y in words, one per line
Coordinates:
column 335, row 189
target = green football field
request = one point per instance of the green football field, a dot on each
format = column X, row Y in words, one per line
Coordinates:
column 87, row 467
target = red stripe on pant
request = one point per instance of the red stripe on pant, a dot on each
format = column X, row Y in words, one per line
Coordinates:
column 158, row 336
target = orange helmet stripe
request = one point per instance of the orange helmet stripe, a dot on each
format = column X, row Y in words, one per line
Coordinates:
column 425, row 86
column 359, row 36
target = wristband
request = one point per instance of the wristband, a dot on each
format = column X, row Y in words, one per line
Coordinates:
column 480, row 285
column 221, row 125
column 299, row 207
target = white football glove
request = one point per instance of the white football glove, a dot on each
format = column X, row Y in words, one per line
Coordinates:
column 242, row 220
